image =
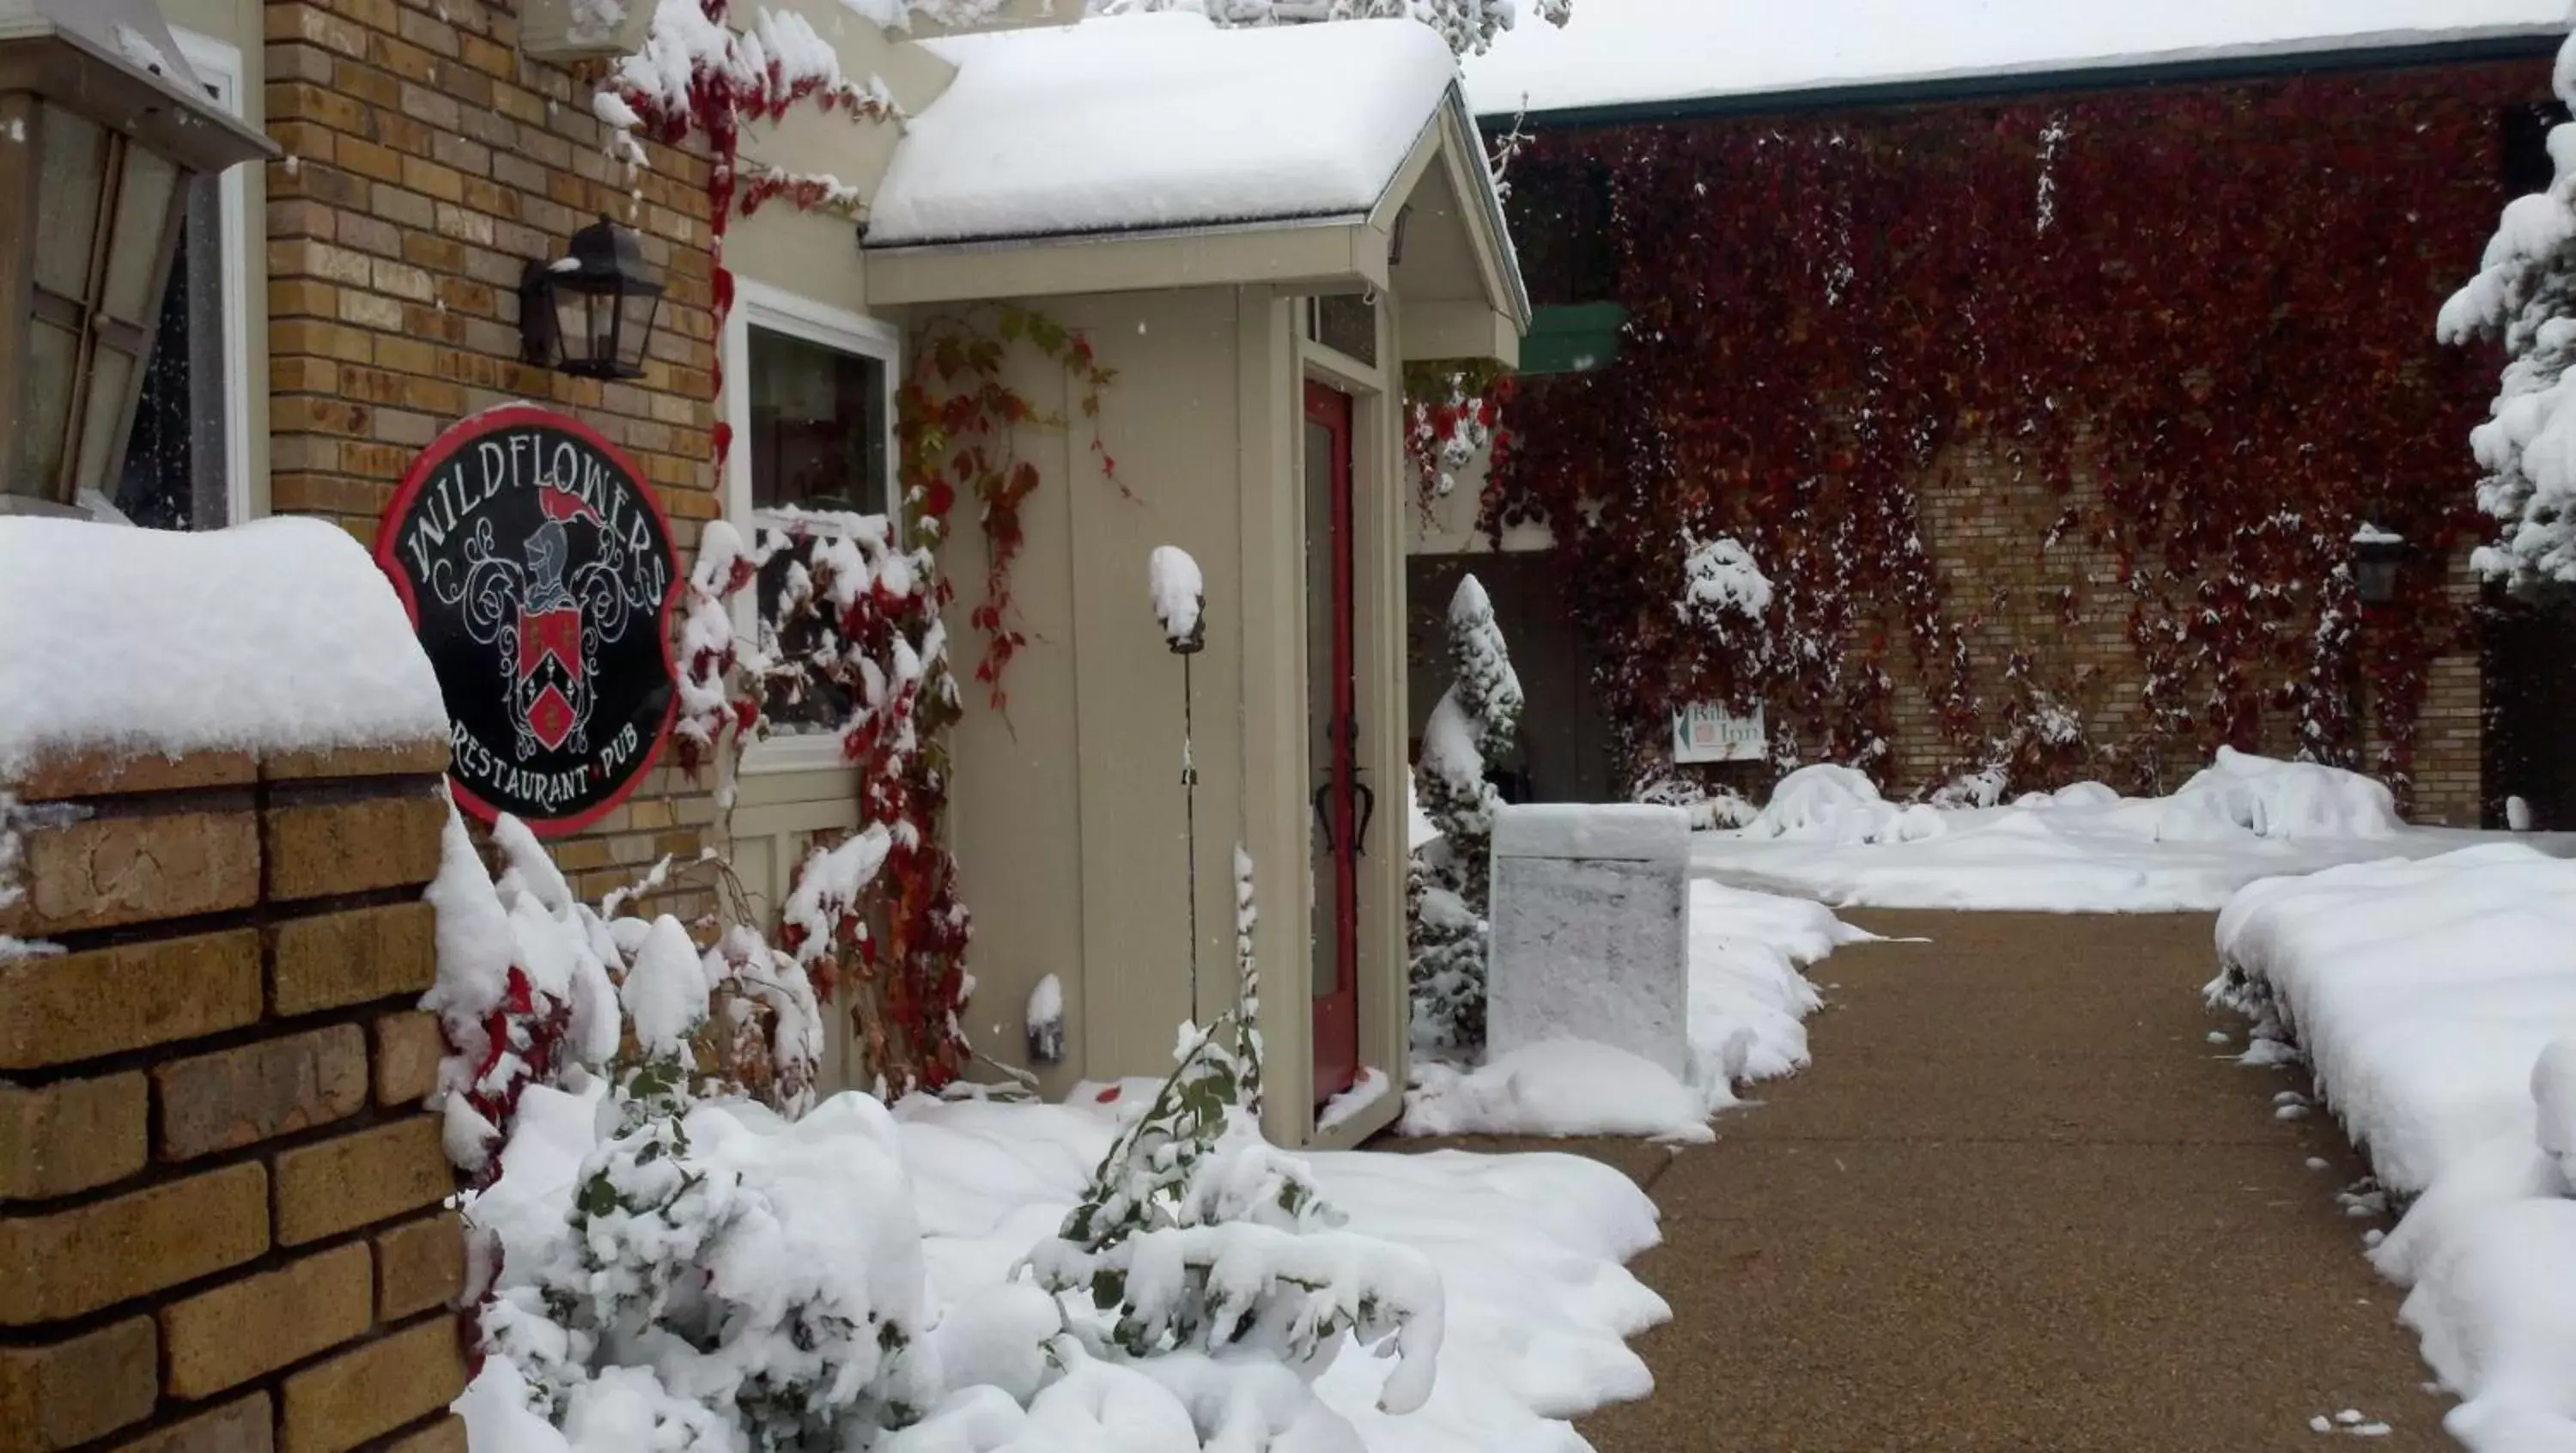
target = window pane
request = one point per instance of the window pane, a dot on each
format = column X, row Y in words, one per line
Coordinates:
column 68, row 174
column 53, row 362
column 143, row 201
column 174, row 474
column 818, row 427
column 110, row 374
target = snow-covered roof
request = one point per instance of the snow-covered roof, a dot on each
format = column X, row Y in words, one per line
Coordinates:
column 275, row 635
column 1159, row 121
column 1616, row 53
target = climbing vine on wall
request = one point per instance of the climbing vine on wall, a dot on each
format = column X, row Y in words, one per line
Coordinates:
column 2198, row 318
column 957, row 418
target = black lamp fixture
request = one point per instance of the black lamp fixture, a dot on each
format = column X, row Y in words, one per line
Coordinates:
column 591, row 312
column 2376, row 555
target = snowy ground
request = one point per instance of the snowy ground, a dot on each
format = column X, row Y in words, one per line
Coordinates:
column 1748, row 1007
column 1528, row 1247
column 2435, row 1003
column 1827, row 835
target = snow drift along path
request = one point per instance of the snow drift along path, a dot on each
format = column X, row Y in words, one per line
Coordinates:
column 2435, row 1004
column 1827, row 835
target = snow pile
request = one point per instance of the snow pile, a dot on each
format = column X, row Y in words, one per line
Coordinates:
column 1179, row 597
column 278, row 635
column 2082, row 849
column 1840, row 805
column 2435, row 1003
column 1748, row 1007
column 2287, row 801
column 1620, row 52
column 1071, row 129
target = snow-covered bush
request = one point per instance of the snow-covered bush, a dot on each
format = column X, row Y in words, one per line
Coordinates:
column 856, row 619
column 2241, row 794
column 1468, row 25
column 2525, row 296
column 1196, row 1236
column 1710, row 807
column 1473, row 724
column 1826, row 803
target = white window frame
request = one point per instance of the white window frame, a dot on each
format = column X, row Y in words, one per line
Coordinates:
column 776, row 310
column 219, row 65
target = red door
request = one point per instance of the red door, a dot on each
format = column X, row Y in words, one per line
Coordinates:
column 1340, row 802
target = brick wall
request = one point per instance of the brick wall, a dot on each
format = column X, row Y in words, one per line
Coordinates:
column 220, row 1219
column 428, row 162
column 1988, row 528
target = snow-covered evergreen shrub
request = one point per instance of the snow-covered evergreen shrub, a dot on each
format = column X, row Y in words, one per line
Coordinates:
column 2525, row 296
column 1473, row 724
column 764, row 1276
column 1195, row 1235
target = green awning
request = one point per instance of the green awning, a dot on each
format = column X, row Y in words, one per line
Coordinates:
column 1572, row 338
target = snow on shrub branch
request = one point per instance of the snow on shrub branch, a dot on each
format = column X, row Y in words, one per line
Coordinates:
column 2525, row 296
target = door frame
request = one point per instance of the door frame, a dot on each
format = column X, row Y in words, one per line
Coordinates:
column 1336, row 1043
column 1378, row 504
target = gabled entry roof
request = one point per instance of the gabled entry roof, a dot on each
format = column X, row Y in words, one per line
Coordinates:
column 1160, row 121
column 1624, row 59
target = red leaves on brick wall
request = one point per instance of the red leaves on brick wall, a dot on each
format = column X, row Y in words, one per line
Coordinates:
column 2215, row 300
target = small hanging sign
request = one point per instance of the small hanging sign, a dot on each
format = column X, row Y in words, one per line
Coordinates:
column 538, row 571
column 1708, row 733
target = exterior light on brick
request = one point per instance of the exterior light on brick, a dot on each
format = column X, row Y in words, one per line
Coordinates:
column 591, row 312
column 2376, row 555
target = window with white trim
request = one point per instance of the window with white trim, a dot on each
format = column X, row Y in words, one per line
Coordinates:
column 811, row 402
column 187, row 453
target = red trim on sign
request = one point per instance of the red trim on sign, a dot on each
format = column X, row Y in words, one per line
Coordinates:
column 440, row 450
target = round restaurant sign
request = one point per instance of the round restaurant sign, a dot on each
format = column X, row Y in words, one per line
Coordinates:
column 537, row 568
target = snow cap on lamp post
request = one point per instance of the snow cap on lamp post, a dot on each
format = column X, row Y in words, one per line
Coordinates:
column 102, row 129
column 2376, row 554
column 1180, row 599
column 591, row 312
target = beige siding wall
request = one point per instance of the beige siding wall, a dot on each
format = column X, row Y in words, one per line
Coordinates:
column 1069, row 813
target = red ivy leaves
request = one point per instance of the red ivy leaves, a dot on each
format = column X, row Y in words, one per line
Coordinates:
column 2202, row 314
column 954, row 421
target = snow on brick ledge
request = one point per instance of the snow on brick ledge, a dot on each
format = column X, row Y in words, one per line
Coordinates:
column 1627, row 832
column 276, row 636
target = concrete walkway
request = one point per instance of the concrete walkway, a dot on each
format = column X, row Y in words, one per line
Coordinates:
column 2020, row 1202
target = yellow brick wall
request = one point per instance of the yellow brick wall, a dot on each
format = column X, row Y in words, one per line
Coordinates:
column 221, row 1222
column 428, row 162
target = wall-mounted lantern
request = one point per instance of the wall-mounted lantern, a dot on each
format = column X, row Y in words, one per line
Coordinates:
column 102, row 128
column 591, row 312
column 2376, row 556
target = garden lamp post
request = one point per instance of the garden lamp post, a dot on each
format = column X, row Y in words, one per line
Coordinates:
column 102, row 130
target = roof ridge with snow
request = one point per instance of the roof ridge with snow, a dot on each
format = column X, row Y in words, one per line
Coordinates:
column 1619, row 54
column 1159, row 121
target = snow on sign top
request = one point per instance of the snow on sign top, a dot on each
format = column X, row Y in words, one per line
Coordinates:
column 1640, row 52
column 1159, row 120
column 279, row 635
